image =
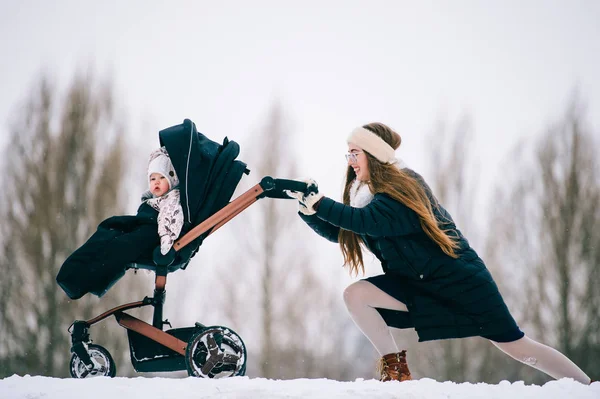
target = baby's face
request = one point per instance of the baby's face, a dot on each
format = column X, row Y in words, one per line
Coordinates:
column 159, row 184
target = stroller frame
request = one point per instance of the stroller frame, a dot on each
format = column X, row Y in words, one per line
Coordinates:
column 177, row 341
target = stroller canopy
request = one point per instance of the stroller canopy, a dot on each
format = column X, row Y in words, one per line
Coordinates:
column 208, row 174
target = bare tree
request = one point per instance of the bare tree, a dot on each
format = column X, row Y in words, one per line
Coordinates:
column 63, row 174
column 553, row 235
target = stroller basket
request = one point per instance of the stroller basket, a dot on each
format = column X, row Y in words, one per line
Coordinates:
column 148, row 355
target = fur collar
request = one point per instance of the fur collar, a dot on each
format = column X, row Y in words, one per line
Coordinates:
column 400, row 164
column 360, row 194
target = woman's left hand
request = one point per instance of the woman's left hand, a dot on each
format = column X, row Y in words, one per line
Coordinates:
column 306, row 202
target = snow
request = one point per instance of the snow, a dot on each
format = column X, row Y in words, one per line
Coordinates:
column 32, row 387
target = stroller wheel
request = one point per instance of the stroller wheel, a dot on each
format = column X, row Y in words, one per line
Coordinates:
column 215, row 352
column 104, row 365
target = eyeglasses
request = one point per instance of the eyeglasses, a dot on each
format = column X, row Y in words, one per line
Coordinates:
column 352, row 156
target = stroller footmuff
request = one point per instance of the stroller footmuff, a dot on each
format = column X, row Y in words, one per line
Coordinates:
column 98, row 264
column 209, row 174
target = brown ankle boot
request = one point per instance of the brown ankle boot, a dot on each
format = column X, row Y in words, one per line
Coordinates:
column 393, row 366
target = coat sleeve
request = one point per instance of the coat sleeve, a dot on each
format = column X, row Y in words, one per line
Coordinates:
column 383, row 216
column 321, row 227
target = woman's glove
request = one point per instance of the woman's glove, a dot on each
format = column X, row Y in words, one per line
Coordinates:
column 307, row 202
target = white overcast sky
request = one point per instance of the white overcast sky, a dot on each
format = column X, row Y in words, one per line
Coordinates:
column 511, row 65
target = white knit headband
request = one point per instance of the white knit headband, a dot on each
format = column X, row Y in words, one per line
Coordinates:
column 373, row 144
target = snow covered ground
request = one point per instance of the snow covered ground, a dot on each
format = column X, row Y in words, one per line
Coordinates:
column 243, row 387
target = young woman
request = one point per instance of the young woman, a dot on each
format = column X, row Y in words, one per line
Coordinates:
column 432, row 280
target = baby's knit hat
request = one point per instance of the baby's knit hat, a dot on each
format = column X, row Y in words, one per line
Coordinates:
column 161, row 163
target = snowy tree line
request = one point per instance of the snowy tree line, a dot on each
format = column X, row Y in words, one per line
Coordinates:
column 66, row 169
column 64, row 173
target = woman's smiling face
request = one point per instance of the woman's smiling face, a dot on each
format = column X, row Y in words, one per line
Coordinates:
column 357, row 159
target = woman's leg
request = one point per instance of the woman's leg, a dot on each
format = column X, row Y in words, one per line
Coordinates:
column 361, row 299
column 543, row 358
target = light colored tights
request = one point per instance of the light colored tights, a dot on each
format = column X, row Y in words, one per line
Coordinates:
column 543, row 358
column 362, row 298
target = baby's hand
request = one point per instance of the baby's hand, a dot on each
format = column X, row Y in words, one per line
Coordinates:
column 165, row 244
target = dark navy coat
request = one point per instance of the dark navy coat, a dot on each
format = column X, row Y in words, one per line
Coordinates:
column 446, row 297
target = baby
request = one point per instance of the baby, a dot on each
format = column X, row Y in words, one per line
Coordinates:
column 163, row 184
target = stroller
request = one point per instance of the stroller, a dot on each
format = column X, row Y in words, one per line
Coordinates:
column 209, row 174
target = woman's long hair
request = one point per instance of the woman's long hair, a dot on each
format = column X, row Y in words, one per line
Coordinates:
column 390, row 180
